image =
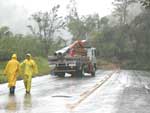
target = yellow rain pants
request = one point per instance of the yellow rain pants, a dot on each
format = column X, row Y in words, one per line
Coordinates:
column 29, row 68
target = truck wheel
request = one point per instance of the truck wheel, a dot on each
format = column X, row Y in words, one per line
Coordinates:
column 78, row 73
column 93, row 72
column 81, row 72
column 95, row 66
column 60, row 74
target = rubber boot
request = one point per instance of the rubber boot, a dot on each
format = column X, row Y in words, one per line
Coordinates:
column 13, row 91
column 10, row 90
column 27, row 92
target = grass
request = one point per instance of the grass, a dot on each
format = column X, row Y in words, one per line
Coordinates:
column 2, row 77
column 106, row 64
column 123, row 64
column 42, row 64
column 130, row 64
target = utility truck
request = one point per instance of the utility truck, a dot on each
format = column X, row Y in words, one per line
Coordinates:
column 77, row 59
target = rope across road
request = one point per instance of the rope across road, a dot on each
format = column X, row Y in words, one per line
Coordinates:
column 90, row 91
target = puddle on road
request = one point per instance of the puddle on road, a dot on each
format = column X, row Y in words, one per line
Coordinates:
column 62, row 96
column 11, row 103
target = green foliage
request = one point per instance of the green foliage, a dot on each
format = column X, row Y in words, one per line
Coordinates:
column 2, row 77
column 48, row 24
column 145, row 3
column 82, row 27
column 76, row 27
column 128, row 44
column 42, row 64
column 140, row 37
column 5, row 32
column 121, row 9
column 20, row 46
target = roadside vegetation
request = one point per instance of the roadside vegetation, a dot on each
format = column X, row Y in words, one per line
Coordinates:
column 42, row 63
column 122, row 38
column 121, row 41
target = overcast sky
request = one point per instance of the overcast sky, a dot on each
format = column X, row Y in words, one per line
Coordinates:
column 15, row 13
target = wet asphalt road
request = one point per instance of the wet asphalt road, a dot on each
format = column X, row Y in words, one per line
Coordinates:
column 124, row 92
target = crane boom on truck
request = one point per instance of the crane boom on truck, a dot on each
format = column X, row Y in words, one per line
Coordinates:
column 76, row 59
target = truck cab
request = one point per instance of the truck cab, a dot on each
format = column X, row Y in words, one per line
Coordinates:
column 91, row 53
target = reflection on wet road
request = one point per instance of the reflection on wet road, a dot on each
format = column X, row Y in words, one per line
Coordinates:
column 11, row 103
column 27, row 102
column 124, row 92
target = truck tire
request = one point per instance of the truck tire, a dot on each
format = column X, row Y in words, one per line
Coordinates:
column 93, row 71
column 60, row 74
column 78, row 73
column 81, row 72
column 95, row 66
column 93, row 74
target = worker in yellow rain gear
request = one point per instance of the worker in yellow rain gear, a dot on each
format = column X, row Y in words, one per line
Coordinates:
column 11, row 71
column 28, row 67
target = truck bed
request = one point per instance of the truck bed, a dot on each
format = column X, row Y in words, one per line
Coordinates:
column 67, row 59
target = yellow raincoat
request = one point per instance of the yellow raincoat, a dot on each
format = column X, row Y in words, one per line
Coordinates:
column 11, row 70
column 29, row 67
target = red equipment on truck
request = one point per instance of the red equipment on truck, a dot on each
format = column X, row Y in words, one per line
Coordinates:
column 76, row 59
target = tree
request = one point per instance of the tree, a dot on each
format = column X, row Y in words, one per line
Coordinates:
column 72, row 9
column 5, row 31
column 145, row 3
column 140, row 35
column 76, row 28
column 81, row 27
column 74, row 23
column 92, row 23
column 121, row 9
column 48, row 24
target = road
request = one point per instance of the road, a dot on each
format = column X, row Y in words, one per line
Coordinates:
column 114, row 91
